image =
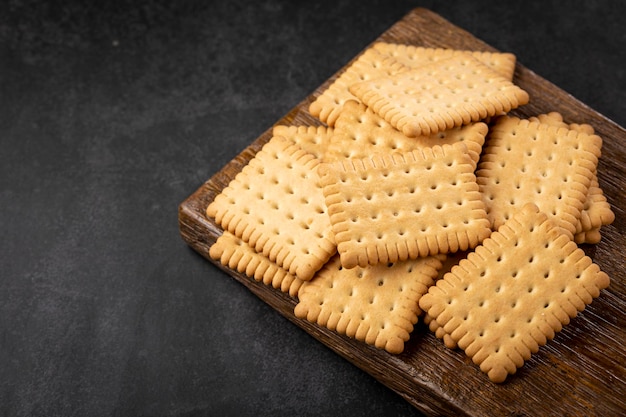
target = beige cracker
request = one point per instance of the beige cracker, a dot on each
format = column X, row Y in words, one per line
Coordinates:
column 416, row 56
column 531, row 162
column 596, row 211
column 359, row 132
column 237, row 255
column 399, row 206
column 313, row 139
column 370, row 64
column 440, row 96
column 276, row 205
column 513, row 293
column 377, row 304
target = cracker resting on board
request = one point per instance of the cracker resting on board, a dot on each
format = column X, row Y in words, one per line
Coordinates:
column 276, row 205
column 377, row 305
column 359, row 132
column 440, row 96
column 237, row 255
column 531, row 162
column 514, row 292
column 393, row 207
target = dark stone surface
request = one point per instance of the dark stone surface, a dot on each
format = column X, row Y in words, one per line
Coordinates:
column 112, row 113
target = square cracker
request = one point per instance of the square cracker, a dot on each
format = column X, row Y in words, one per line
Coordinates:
column 513, row 293
column 596, row 211
column 370, row 64
column 532, row 162
column 236, row 254
column 393, row 207
column 359, row 132
column 417, row 56
column 377, row 305
column 276, row 205
column 440, row 96
column 313, row 139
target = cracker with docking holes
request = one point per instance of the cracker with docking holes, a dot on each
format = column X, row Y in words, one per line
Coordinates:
column 359, row 132
column 313, row 139
column 514, row 292
column 417, row 56
column 440, row 96
column 276, row 205
column 370, row 64
column 596, row 211
column 377, row 305
column 237, row 255
column 532, row 162
column 398, row 206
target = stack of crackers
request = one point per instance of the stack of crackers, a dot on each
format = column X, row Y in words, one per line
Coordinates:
column 417, row 163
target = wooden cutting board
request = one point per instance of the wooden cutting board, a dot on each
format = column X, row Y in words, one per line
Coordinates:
column 582, row 372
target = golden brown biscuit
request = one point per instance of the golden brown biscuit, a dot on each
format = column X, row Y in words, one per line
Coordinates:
column 237, row 255
column 417, row 56
column 370, row 64
column 313, row 139
column 359, row 133
column 531, row 162
column 376, row 304
column 393, row 207
column 276, row 205
column 440, row 96
column 513, row 293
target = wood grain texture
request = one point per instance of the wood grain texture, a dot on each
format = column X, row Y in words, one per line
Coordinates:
column 581, row 372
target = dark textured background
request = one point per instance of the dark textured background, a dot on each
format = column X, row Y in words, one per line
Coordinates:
column 112, row 113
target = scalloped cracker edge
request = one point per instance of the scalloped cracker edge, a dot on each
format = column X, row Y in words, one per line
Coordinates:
column 313, row 139
column 513, row 293
column 532, row 162
column 393, row 207
column 377, row 305
column 596, row 211
column 359, row 132
column 440, row 96
column 276, row 205
column 416, row 56
column 370, row 64
column 237, row 255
